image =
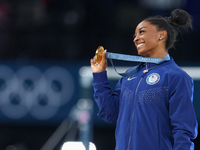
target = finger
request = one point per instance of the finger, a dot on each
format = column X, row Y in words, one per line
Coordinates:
column 92, row 61
column 104, row 54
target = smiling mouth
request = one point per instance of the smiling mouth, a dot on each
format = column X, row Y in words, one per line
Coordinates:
column 139, row 45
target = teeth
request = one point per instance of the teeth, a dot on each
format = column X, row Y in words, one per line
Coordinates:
column 140, row 44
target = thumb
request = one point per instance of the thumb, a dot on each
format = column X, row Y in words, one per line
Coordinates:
column 104, row 55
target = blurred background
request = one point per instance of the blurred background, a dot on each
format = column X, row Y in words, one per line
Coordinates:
column 44, row 45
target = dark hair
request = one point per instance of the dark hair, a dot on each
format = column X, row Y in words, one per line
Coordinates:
column 177, row 21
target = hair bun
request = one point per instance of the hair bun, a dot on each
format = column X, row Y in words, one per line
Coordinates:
column 180, row 18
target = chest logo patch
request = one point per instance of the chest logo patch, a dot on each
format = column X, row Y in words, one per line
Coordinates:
column 153, row 78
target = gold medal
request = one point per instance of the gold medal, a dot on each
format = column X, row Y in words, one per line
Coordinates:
column 98, row 54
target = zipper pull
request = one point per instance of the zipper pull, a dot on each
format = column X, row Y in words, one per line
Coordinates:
column 145, row 71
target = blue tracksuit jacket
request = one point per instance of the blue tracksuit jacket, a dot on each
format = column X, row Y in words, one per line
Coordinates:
column 153, row 110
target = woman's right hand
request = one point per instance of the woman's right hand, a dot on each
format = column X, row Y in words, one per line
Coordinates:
column 99, row 67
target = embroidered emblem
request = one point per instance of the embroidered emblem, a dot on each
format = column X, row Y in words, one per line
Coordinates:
column 153, row 79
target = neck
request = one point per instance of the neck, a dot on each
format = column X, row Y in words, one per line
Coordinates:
column 158, row 54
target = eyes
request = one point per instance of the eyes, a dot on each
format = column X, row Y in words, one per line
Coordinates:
column 140, row 33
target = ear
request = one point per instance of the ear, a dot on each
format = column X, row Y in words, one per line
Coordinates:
column 163, row 35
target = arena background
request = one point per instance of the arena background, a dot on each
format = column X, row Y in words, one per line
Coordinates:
column 45, row 50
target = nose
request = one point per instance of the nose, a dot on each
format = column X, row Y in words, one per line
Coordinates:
column 135, row 38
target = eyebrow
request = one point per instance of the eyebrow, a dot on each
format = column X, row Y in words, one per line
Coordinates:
column 142, row 28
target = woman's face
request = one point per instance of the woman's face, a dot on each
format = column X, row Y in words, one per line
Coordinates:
column 147, row 39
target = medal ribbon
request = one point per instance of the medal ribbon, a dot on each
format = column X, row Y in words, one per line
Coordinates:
column 111, row 56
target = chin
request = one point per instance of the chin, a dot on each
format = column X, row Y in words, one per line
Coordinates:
column 140, row 53
column 143, row 52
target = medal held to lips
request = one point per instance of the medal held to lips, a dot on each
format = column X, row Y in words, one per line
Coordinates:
column 98, row 54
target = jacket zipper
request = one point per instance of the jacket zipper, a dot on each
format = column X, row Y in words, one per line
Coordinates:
column 129, row 141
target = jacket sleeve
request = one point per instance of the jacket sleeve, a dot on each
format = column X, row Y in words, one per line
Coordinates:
column 107, row 101
column 182, row 114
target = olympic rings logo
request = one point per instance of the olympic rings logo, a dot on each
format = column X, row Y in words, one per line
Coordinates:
column 31, row 91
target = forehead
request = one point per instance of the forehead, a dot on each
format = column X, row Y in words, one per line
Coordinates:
column 145, row 24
